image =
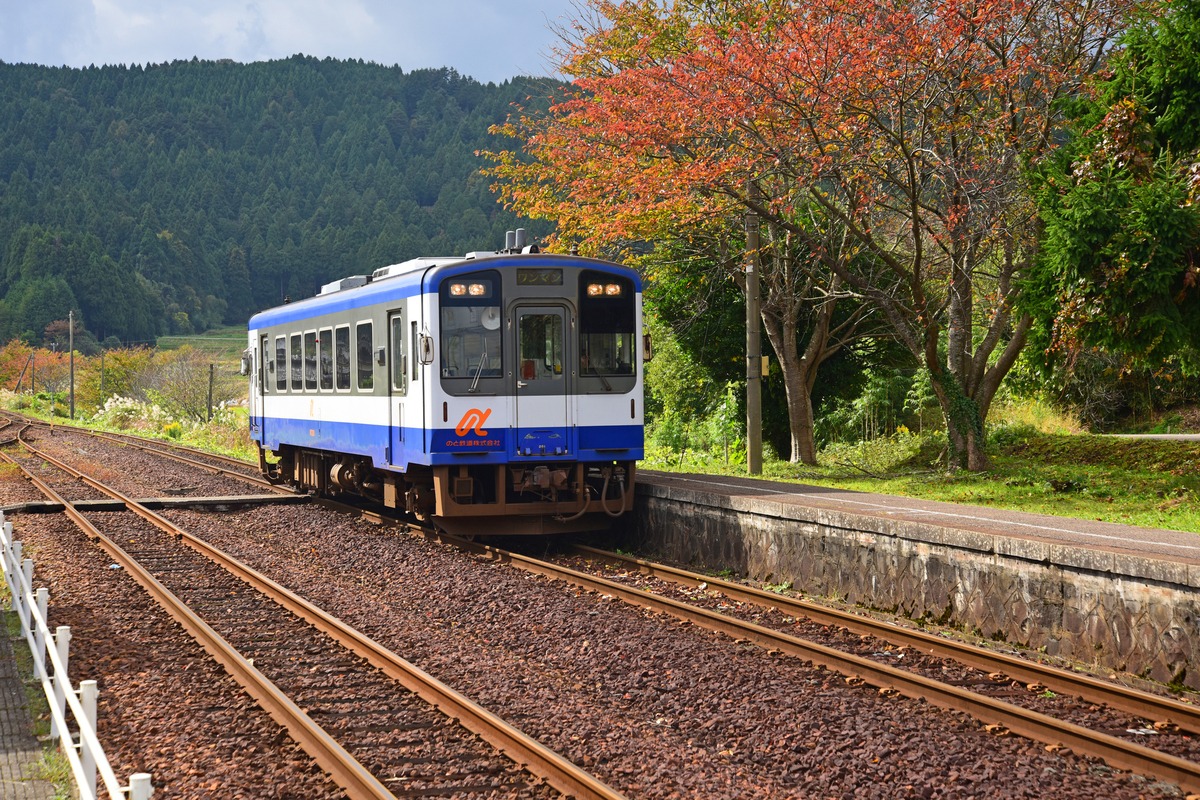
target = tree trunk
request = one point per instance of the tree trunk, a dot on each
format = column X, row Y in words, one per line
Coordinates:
column 964, row 425
column 799, row 373
column 800, row 417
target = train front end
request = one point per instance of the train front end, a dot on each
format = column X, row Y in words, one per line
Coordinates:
column 536, row 388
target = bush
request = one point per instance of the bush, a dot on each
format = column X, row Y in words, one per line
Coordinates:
column 717, row 436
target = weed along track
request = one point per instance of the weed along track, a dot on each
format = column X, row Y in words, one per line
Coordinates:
column 653, row 706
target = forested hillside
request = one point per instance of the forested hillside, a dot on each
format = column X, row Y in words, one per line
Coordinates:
column 175, row 197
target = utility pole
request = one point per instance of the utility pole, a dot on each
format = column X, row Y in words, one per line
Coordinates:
column 211, row 370
column 53, row 393
column 753, row 339
column 71, row 345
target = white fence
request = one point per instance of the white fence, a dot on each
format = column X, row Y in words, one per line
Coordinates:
column 82, row 748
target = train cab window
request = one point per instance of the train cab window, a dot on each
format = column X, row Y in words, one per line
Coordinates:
column 365, row 344
column 472, row 358
column 281, row 376
column 607, row 326
column 341, row 359
column 325, row 354
column 310, row 360
column 297, row 364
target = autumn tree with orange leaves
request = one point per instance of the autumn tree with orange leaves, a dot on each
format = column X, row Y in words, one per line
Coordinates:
column 888, row 141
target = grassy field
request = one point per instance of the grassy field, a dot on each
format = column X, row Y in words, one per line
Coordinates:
column 225, row 345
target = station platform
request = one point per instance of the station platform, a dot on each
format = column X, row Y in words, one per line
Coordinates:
column 776, row 497
column 1116, row 597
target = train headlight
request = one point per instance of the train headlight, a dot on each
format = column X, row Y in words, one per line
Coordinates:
column 612, row 290
column 477, row 290
column 595, row 289
column 458, row 290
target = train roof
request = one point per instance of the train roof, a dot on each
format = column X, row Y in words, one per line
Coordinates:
column 404, row 279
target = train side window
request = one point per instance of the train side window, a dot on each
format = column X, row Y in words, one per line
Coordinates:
column 399, row 362
column 325, row 353
column 341, row 349
column 297, row 364
column 310, row 360
column 281, row 377
column 366, row 348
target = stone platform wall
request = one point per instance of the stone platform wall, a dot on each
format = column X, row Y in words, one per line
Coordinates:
column 1121, row 612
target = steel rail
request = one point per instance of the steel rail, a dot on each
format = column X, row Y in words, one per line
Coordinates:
column 1030, row 724
column 1093, row 690
column 342, row 767
column 525, row 751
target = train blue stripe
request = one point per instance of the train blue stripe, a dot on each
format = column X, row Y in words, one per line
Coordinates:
column 444, row 446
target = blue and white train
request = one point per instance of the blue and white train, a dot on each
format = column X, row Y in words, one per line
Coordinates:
column 496, row 393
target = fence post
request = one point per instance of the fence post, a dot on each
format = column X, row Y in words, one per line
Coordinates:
column 39, row 639
column 62, row 642
column 88, row 692
column 139, row 786
column 12, row 572
column 26, row 609
column 10, row 563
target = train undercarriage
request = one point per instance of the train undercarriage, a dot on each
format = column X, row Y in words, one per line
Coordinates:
column 469, row 500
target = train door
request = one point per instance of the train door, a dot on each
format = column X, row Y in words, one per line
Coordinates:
column 543, row 379
column 258, row 405
column 397, row 385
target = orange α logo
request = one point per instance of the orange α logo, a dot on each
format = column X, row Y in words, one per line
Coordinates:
column 473, row 421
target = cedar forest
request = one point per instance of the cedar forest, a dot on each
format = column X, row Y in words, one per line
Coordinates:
column 173, row 198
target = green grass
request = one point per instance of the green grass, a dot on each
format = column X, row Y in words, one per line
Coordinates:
column 1150, row 483
column 54, row 766
column 225, row 344
column 227, row 434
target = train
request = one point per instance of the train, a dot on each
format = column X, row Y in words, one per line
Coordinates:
column 493, row 393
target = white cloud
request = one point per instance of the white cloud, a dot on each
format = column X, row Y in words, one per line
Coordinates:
column 489, row 39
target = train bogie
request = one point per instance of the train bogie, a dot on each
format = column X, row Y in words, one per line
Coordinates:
column 500, row 390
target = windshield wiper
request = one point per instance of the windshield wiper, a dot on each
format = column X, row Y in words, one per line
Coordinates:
column 479, row 369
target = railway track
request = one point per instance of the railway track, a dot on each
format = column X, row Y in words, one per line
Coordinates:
column 1000, row 716
column 214, row 463
column 1004, row 668
column 359, row 710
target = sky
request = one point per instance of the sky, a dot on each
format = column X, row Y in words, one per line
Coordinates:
column 489, row 40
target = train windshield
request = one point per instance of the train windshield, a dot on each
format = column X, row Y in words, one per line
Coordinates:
column 470, row 337
column 607, row 327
